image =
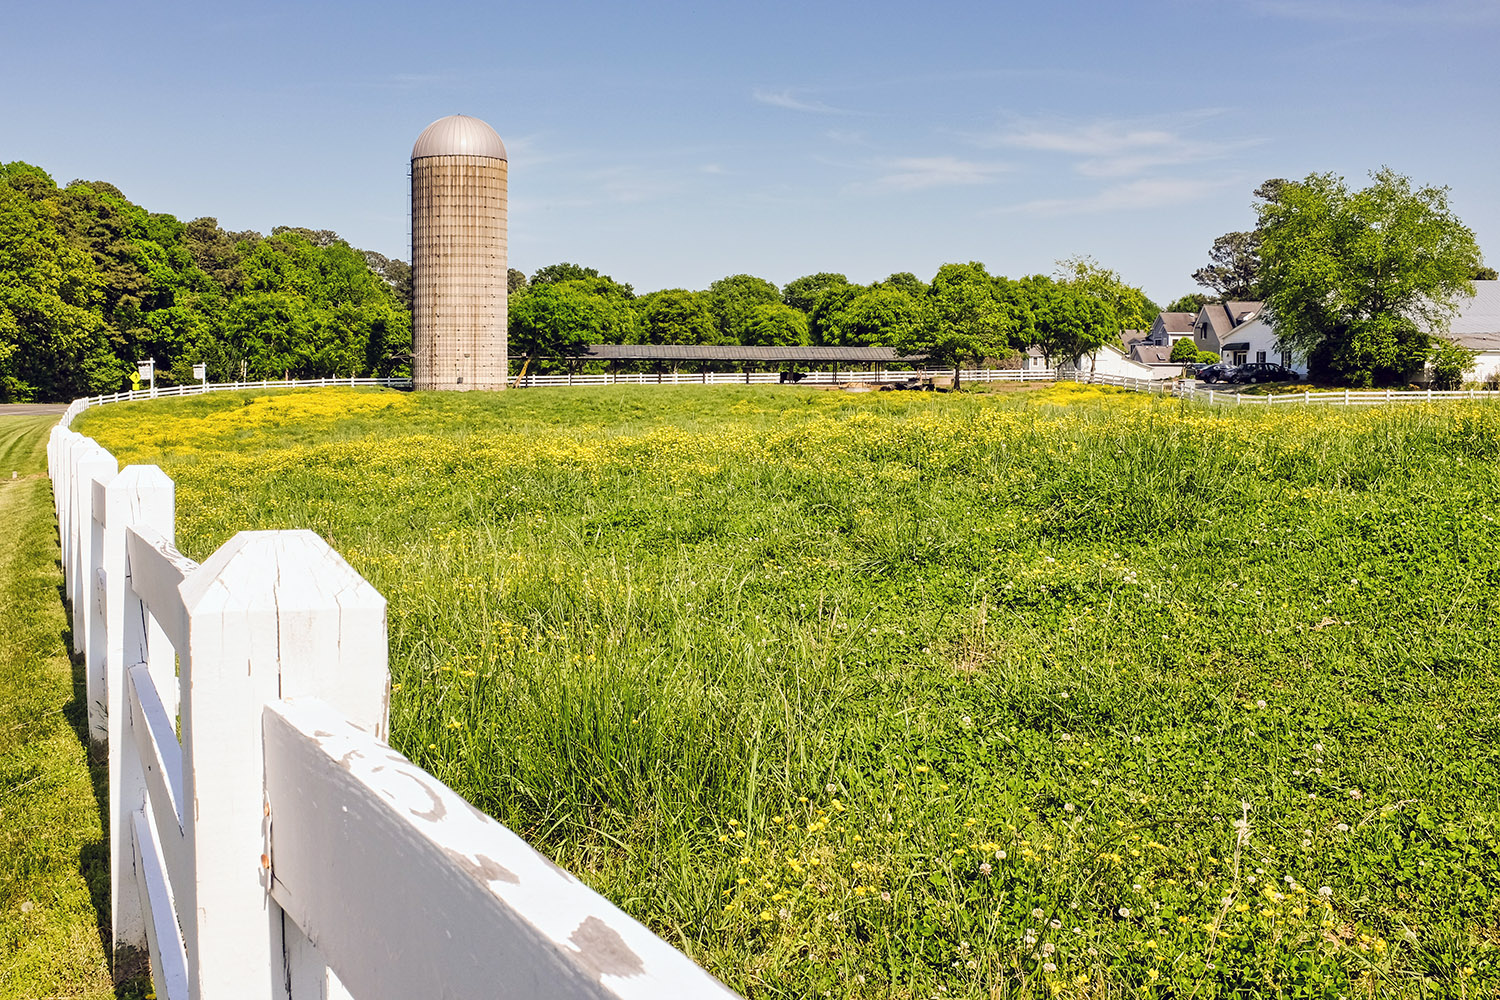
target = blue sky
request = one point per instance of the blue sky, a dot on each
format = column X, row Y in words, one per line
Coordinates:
column 669, row 144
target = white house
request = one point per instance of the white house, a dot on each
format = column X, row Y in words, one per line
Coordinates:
column 1169, row 328
column 1237, row 333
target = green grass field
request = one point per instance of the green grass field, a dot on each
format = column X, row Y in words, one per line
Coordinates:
column 1063, row 692
column 54, row 867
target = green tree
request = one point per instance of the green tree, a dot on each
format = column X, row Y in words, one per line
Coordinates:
column 1234, row 264
column 557, row 319
column 1183, row 352
column 733, row 301
column 1359, row 281
column 52, row 343
column 1131, row 309
column 1450, row 363
column 882, row 315
column 676, row 316
column 774, row 324
column 972, row 319
column 824, row 325
column 1189, row 303
column 803, row 293
column 904, row 281
column 553, row 274
column 1063, row 321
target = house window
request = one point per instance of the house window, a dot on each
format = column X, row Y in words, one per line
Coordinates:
column 1260, row 357
column 1286, row 359
column 1240, row 356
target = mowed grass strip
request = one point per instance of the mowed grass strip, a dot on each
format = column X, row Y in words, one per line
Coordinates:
column 1065, row 692
column 54, row 867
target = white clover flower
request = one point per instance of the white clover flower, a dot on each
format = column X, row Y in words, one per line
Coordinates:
column 1124, row 911
column 1036, row 914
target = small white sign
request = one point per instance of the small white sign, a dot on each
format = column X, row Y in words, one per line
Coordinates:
column 145, row 370
column 200, row 372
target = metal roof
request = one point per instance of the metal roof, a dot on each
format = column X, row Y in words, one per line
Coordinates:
column 737, row 352
column 1479, row 315
column 459, row 135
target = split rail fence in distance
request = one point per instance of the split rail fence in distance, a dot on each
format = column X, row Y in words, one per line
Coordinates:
column 280, row 848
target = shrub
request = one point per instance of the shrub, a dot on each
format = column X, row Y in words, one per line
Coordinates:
column 1450, row 363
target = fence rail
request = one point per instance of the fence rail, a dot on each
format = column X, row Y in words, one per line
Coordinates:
column 1190, row 389
column 831, row 377
column 205, row 387
column 280, row 849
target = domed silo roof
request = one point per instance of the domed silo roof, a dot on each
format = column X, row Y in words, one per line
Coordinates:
column 459, row 135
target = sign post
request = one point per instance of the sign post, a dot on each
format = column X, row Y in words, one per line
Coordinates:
column 147, row 371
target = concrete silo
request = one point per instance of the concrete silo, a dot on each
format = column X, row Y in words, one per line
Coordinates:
column 458, row 262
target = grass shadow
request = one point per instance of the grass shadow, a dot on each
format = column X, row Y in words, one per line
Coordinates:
column 129, row 967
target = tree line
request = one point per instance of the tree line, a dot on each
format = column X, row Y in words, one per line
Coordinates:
column 91, row 284
column 1359, row 282
column 962, row 315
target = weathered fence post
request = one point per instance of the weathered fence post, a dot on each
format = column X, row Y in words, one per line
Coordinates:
column 272, row 614
column 141, row 495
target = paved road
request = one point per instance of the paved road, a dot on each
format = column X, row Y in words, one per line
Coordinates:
column 31, row 409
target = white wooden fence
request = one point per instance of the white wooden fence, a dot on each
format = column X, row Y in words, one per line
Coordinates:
column 280, row 848
column 877, row 376
column 1190, row 389
column 199, row 388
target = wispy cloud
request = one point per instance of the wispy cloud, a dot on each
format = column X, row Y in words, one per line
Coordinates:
column 1121, row 147
column 788, row 99
column 1382, row 11
column 1143, row 193
column 848, row 137
column 919, row 173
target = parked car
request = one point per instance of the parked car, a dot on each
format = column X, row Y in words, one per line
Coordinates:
column 1262, row 371
column 1217, row 372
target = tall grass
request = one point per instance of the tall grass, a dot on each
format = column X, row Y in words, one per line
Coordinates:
column 1066, row 691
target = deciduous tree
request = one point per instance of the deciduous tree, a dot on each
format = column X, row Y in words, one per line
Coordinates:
column 1131, row 308
column 972, row 319
column 1359, row 281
